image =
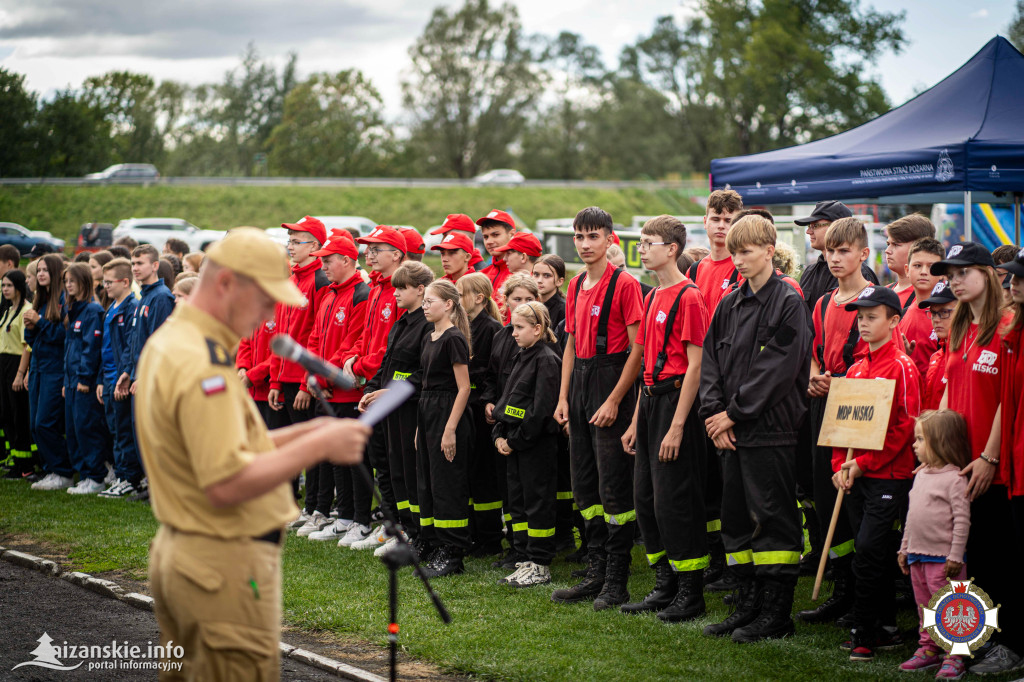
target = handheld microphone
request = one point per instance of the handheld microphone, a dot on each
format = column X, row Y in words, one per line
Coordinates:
column 288, row 348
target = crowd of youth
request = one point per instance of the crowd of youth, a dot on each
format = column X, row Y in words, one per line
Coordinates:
column 683, row 417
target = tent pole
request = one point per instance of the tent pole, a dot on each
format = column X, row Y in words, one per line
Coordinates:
column 1016, row 218
column 967, row 215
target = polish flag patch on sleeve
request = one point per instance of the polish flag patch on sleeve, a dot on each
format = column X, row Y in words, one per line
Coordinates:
column 214, row 385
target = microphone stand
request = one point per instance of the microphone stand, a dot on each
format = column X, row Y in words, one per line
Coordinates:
column 403, row 554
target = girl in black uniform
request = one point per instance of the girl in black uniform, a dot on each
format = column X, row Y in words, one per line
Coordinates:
column 549, row 273
column 485, row 486
column 402, row 363
column 526, row 433
column 445, row 431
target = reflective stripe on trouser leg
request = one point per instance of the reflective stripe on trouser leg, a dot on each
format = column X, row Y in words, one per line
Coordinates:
column 486, row 481
column 400, row 437
column 824, row 493
column 447, row 483
column 533, row 471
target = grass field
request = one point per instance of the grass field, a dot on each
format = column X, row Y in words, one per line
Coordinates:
column 498, row 632
column 63, row 209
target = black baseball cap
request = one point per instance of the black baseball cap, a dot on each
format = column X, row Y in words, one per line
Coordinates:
column 875, row 296
column 40, row 249
column 1014, row 267
column 826, row 210
column 968, row 253
column 941, row 293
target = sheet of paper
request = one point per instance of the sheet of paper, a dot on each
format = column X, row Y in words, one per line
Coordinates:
column 397, row 393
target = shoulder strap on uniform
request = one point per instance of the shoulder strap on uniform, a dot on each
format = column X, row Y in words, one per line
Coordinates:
column 851, row 343
column 734, row 277
column 692, row 272
column 659, row 363
column 825, row 300
column 910, row 302
column 601, row 342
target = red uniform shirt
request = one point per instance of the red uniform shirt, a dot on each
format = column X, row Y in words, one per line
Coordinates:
column 381, row 315
column 254, row 357
column 713, row 279
column 581, row 317
column 453, row 279
column 838, row 322
column 904, row 295
column 297, row 322
column 497, row 272
column 916, row 325
column 690, row 326
column 973, row 387
column 896, row 459
column 1011, row 454
column 339, row 325
column 934, row 380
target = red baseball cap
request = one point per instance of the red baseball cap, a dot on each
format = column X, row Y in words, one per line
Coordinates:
column 456, row 221
column 340, row 242
column 455, row 240
column 615, row 238
column 413, row 240
column 385, row 234
column 311, row 225
column 499, row 216
column 475, row 258
column 523, row 242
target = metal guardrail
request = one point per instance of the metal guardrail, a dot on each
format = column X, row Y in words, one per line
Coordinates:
column 684, row 185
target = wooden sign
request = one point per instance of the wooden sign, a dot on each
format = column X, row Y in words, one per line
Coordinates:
column 857, row 413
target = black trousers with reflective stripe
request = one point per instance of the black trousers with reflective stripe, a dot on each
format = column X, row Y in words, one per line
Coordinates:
column 287, row 416
column 532, row 480
column 825, row 493
column 400, row 438
column 354, row 497
column 486, row 488
column 874, row 504
column 759, row 512
column 669, row 496
column 602, row 472
column 443, row 485
column 564, row 513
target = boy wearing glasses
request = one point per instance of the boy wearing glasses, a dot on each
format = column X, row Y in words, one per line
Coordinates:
column 917, row 336
column 817, row 280
column 117, row 280
column 666, row 436
column 940, row 306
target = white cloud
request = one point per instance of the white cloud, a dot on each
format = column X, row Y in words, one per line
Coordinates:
column 979, row 14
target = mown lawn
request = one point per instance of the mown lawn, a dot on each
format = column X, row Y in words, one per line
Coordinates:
column 498, row 632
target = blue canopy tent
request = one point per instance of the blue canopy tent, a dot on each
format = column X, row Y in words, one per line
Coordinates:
column 964, row 135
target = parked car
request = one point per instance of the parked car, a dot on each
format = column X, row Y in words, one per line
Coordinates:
column 94, row 237
column 157, row 231
column 126, row 172
column 500, row 176
column 25, row 239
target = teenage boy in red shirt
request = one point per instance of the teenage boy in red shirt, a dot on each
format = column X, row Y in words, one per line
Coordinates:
column 901, row 234
column 878, row 481
column 753, row 370
column 597, row 396
column 939, row 306
column 456, row 250
column 915, row 331
column 836, row 343
column 666, row 433
column 497, row 228
column 518, row 256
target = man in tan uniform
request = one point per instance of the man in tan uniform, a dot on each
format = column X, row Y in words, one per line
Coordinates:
column 219, row 481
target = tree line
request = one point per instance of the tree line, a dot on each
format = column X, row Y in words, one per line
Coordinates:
column 738, row 77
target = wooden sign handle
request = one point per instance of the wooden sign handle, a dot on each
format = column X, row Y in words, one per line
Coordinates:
column 840, row 494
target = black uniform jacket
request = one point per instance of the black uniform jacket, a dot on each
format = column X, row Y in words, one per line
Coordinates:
column 402, row 358
column 525, row 411
column 756, row 363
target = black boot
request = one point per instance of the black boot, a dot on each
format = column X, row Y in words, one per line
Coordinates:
column 444, row 561
column 586, row 589
column 727, row 581
column 689, row 600
column 716, row 569
column 837, row 605
column 616, row 575
column 665, row 587
column 775, row 619
column 748, row 606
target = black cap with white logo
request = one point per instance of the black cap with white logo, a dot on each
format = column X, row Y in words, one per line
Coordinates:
column 826, row 210
column 1014, row 267
column 875, row 296
column 941, row 293
column 961, row 255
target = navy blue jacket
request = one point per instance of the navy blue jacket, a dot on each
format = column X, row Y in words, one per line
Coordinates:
column 82, row 350
column 117, row 337
column 156, row 305
column 47, row 342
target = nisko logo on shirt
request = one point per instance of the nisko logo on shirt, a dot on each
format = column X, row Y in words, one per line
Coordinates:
column 78, row 325
column 985, row 362
column 725, row 284
column 660, row 317
column 595, row 311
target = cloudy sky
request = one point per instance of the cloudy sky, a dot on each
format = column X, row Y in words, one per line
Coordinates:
column 57, row 43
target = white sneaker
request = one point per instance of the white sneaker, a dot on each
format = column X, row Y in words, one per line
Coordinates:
column 44, row 481
column 122, row 488
column 374, row 540
column 332, row 531
column 299, row 522
column 316, row 522
column 520, row 567
column 56, row 483
column 389, row 546
column 531, row 574
column 357, row 532
column 86, row 486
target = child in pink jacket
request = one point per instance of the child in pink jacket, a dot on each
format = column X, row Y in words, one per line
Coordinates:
column 937, row 525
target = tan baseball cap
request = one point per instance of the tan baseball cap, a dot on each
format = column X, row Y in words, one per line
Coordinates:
column 250, row 252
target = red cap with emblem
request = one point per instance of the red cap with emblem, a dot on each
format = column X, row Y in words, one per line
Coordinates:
column 384, row 234
column 413, row 240
column 455, row 240
column 523, row 242
column 456, row 221
column 499, row 216
column 311, row 225
column 340, row 242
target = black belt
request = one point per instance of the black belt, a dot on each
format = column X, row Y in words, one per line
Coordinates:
column 273, row 537
column 663, row 387
column 606, row 360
